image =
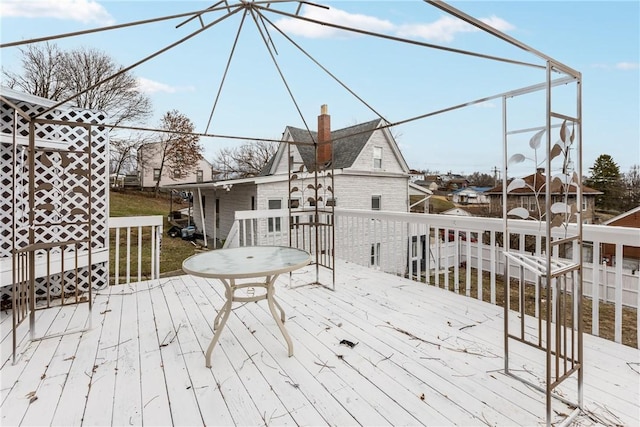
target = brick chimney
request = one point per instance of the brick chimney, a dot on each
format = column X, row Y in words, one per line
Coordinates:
column 324, row 137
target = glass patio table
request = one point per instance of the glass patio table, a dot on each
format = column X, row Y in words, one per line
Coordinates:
column 252, row 262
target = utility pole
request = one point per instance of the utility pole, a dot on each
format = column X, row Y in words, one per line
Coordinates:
column 495, row 176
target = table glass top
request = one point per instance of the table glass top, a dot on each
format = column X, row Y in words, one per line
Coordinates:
column 249, row 261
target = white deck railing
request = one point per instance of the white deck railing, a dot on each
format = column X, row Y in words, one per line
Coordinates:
column 419, row 245
column 140, row 229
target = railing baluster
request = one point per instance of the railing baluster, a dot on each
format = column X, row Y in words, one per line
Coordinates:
column 139, row 253
column 141, row 223
column 153, row 252
column 357, row 231
column 117, row 270
column 618, row 286
column 128, row 254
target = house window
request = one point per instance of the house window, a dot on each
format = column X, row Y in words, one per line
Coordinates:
column 274, row 224
column 253, row 203
column 294, row 203
column 290, row 163
column 199, row 175
column 376, row 202
column 375, row 255
column 528, row 202
column 156, row 174
column 217, row 213
column 331, row 202
column 377, row 157
column 176, row 173
column 585, row 206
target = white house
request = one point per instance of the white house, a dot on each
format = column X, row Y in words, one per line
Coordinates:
column 369, row 173
column 149, row 161
column 471, row 196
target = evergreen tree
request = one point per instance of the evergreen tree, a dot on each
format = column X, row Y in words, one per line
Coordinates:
column 605, row 177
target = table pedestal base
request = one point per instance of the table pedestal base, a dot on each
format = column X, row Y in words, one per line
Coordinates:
column 223, row 315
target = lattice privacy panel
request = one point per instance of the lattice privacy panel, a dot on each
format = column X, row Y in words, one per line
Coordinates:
column 64, row 183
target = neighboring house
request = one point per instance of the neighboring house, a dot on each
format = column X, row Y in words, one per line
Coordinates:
column 149, row 161
column 631, row 254
column 369, row 173
column 415, row 175
column 471, row 196
column 447, row 182
column 533, row 198
column 430, row 185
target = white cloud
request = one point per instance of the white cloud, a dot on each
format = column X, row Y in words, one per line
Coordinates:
column 627, row 66
column 334, row 16
column 442, row 30
column 447, row 27
column 498, row 23
column 85, row 11
column 151, row 86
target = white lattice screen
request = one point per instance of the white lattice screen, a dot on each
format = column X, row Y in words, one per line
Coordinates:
column 62, row 178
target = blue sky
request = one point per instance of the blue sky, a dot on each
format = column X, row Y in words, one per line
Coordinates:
column 601, row 39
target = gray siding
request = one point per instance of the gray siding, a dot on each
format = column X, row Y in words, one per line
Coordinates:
column 390, row 162
column 238, row 198
column 354, row 192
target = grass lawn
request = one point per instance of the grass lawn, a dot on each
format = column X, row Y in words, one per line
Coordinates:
column 606, row 310
column 174, row 250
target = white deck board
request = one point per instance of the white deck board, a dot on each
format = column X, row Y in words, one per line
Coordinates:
column 153, row 391
column 143, row 360
column 412, row 365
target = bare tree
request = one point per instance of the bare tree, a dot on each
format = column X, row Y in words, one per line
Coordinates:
column 480, row 179
column 58, row 75
column 178, row 152
column 244, row 161
column 632, row 184
column 123, row 153
column 41, row 72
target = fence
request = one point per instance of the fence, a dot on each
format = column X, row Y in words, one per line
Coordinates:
column 138, row 250
column 437, row 249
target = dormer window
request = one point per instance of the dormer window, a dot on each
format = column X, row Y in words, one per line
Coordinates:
column 377, row 157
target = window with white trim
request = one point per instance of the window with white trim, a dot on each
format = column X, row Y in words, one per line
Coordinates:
column 375, row 255
column 377, row 157
column 274, row 224
column 294, row 203
column 156, row 174
column 376, row 202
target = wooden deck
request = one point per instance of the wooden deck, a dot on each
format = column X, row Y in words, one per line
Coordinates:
column 422, row 355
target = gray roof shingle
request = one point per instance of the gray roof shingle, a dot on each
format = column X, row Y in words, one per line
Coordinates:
column 347, row 144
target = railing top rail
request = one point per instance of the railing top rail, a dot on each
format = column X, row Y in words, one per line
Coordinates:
column 135, row 221
column 591, row 233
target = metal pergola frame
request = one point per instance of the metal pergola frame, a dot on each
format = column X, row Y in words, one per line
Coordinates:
column 546, row 269
column 25, row 257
